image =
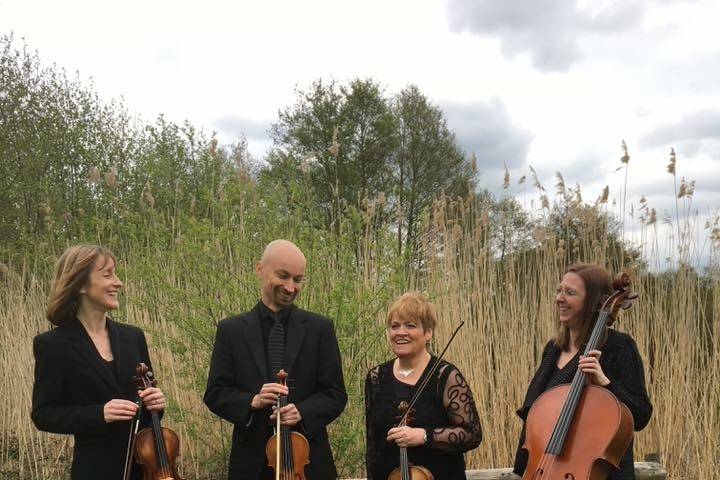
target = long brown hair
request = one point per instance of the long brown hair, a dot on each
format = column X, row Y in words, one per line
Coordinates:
column 598, row 283
column 71, row 274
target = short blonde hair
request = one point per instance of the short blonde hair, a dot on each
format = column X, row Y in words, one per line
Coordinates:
column 71, row 274
column 413, row 306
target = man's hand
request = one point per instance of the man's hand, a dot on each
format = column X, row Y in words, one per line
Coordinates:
column 289, row 415
column 268, row 396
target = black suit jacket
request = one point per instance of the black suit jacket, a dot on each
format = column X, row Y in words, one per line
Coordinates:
column 238, row 369
column 73, row 384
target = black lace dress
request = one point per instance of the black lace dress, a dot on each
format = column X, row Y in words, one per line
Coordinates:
column 446, row 409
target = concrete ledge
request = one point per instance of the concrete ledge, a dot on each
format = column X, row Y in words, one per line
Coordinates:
column 643, row 471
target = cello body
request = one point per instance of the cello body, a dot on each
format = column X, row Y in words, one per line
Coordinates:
column 601, row 431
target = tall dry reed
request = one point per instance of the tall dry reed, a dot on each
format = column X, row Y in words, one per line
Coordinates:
column 507, row 304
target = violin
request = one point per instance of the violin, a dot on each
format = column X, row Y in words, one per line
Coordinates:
column 406, row 471
column 574, row 431
column 156, row 448
column 287, row 451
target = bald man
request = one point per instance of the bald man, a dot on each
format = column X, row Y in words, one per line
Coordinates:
column 242, row 387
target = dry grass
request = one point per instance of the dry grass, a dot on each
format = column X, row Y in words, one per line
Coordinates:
column 508, row 311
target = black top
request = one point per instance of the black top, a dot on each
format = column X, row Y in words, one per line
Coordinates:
column 73, row 383
column 451, row 430
column 621, row 363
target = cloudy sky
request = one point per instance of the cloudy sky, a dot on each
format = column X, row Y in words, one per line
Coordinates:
column 552, row 84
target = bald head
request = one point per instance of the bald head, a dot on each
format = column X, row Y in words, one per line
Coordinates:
column 281, row 248
column 281, row 272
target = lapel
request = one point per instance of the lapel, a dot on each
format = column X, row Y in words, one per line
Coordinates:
column 252, row 334
column 83, row 345
column 122, row 348
column 295, row 335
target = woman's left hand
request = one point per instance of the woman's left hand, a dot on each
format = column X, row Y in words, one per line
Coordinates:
column 406, row 436
column 153, row 398
column 590, row 365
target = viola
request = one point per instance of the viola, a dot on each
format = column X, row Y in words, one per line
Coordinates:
column 407, row 471
column 156, row 448
column 574, row 431
column 287, row 451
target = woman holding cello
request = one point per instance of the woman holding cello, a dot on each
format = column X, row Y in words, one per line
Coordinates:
column 446, row 421
column 614, row 365
column 84, row 367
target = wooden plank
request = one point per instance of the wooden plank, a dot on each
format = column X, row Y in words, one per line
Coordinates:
column 649, row 471
column 643, row 471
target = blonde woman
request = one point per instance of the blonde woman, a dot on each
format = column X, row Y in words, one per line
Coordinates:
column 84, row 367
column 446, row 419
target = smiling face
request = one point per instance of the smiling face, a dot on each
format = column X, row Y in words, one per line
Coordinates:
column 102, row 288
column 408, row 337
column 570, row 300
column 281, row 273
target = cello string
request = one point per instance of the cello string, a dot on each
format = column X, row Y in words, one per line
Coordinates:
column 570, row 406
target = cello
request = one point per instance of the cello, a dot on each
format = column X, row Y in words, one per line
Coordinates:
column 156, row 448
column 574, row 431
column 287, row 451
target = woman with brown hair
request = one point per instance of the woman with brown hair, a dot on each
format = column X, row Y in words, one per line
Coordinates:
column 84, row 367
column 446, row 420
column 617, row 366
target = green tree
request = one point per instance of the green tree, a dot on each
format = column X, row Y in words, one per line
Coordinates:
column 55, row 139
column 342, row 136
column 427, row 162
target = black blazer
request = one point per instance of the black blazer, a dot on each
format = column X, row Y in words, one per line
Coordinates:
column 73, row 384
column 238, row 369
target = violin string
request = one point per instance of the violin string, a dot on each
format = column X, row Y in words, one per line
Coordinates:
column 284, row 444
column 404, row 470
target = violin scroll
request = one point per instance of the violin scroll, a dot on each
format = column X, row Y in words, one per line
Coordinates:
column 144, row 377
column 406, row 414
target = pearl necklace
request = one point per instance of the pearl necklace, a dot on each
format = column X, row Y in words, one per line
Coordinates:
column 406, row 373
